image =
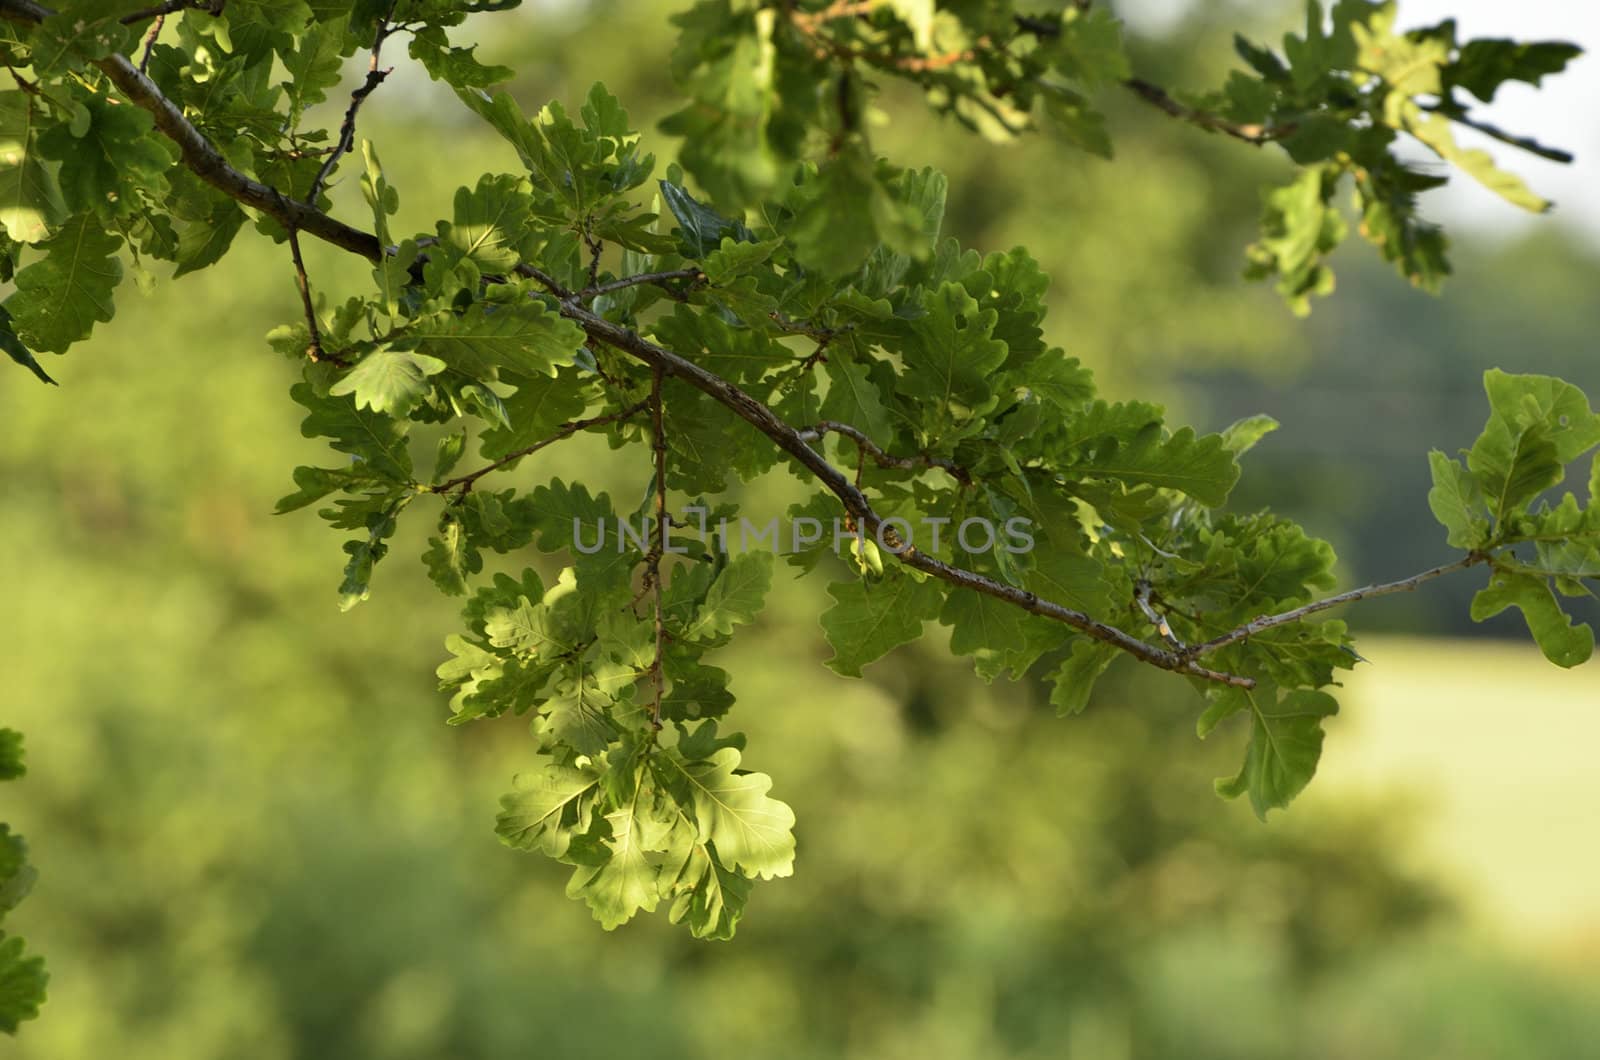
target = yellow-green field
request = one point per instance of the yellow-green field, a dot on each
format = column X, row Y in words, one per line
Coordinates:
column 1498, row 749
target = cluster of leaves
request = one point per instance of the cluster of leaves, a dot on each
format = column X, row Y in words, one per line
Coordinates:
column 752, row 72
column 85, row 181
column 22, row 977
column 935, row 354
column 1336, row 100
column 1498, row 504
column 818, row 302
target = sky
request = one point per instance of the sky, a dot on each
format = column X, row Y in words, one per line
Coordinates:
column 1564, row 113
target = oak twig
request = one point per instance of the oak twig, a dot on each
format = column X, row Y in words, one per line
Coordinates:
column 1141, row 597
column 659, row 279
column 314, row 349
column 150, row 42
column 347, row 129
column 208, row 163
column 1249, row 132
column 1266, row 622
column 1161, row 99
column 876, row 454
column 463, row 483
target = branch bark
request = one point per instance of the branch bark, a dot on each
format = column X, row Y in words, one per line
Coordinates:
column 201, row 158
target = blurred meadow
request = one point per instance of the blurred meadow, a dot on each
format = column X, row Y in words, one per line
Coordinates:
column 257, row 838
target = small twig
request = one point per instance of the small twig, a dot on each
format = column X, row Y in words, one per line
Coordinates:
column 811, row 359
column 660, row 279
column 30, row 87
column 658, row 547
column 161, row 11
column 1266, row 622
column 820, row 333
column 1141, row 596
column 808, row 21
column 595, row 247
column 463, row 483
column 871, row 449
column 150, row 42
column 1161, row 99
column 347, row 130
column 547, row 281
column 314, row 350
column 1250, row 133
column 918, row 64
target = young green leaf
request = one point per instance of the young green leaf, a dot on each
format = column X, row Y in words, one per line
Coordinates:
column 750, row 830
column 59, row 299
column 867, row 620
column 734, row 598
column 1285, row 744
column 1562, row 642
column 390, row 382
column 1457, row 502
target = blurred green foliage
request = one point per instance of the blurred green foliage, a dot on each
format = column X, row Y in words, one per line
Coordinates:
column 264, row 843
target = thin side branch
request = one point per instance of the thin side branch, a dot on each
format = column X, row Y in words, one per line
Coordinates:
column 1266, row 622
column 1249, row 132
column 1162, row 100
column 876, row 454
column 463, row 483
column 347, row 130
column 660, row 279
column 839, row 9
column 150, row 42
column 1142, row 597
column 314, row 349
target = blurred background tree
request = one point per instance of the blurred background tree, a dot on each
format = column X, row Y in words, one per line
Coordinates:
column 262, row 843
